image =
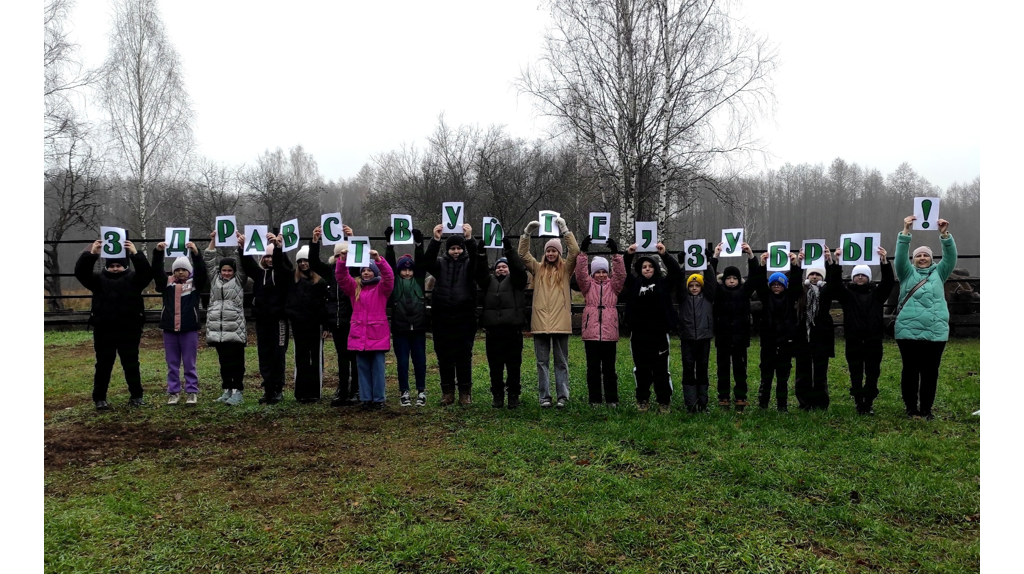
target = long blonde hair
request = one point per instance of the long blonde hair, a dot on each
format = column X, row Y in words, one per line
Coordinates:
column 551, row 273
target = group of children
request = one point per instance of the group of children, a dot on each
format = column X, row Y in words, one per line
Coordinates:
column 313, row 298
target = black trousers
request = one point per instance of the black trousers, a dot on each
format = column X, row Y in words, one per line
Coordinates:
column 737, row 359
column 232, row 364
column 110, row 343
column 776, row 363
column 601, row 364
column 348, row 373
column 309, row 361
column 696, row 358
column 864, row 358
column 505, row 355
column 272, row 347
column 811, row 383
column 651, row 366
column 920, row 375
column 453, row 345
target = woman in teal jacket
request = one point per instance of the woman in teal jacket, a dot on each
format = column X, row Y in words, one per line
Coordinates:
column 922, row 325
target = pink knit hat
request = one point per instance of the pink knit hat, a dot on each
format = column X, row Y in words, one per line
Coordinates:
column 554, row 242
column 923, row 249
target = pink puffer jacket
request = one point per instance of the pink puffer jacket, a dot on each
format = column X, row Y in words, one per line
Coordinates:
column 600, row 318
column 370, row 330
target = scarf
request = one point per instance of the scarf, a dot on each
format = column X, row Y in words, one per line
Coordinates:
column 813, row 298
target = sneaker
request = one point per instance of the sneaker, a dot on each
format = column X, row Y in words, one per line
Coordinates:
column 513, row 402
column 375, row 406
column 561, row 403
column 595, row 405
column 335, row 396
column 465, row 399
column 191, row 398
column 545, row 403
column 421, row 399
column 339, row 401
column 447, row 399
column 664, row 409
column 136, row 402
column 642, row 406
column 172, row 398
column 274, row 398
column 235, row 398
column 724, row 404
column 102, row 406
column 224, row 397
column 405, row 401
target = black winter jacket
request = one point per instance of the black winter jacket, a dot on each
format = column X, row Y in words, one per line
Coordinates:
column 454, row 298
column 820, row 339
column 863, row 305
column 649, row 301
column 504, row 299
column 697, row 312
column 407, row 302
column 337, row 309
column 732, row 310
column 116, row 297
column 778, row 312
column 307, row 299
column 181, row 310
column 269, row 286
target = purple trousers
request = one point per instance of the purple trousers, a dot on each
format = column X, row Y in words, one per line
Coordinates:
column 181, row 348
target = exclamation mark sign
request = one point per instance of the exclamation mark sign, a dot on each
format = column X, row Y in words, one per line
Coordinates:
column 926, row 208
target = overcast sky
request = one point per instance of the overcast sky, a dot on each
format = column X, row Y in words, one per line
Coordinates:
column 876, row 83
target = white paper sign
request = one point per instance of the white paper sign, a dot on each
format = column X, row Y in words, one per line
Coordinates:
column 814, row 253
column 493, row 233
column 358, row 252
column 548, row 226
column 113, row 242
column 778, row 256
column 330, row 229
column 646, row 236
column 255, row 240
column 859, row 248
column 694, row 258
column 225, row 226
column 927, row 211
column 176, row 238
column 600, row 226
column 401, row 226
column 453, row 216
column 289, row 235
column 732, row 242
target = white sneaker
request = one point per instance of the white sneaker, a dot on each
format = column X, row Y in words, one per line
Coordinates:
column 236, row 398
column 405, row 402
column 172, row 398
column 225, row 396
column 545, row 403
column 561, row 403
column 191, row 398
column 421, row 400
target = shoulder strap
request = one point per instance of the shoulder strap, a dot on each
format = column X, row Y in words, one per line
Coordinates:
column 910, row 293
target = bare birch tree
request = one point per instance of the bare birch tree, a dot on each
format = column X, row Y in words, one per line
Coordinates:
column 144, row 93
column 63, row 76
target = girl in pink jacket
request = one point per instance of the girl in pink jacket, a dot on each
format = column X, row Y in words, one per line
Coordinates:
column 370, row 335
column 601, row 320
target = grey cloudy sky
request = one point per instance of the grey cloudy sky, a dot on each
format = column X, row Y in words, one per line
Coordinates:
column 876, row 83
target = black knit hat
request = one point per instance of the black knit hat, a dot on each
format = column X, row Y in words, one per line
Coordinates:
column 122, row 260
column 229, row 261
column 731, row 271
column 454, row 240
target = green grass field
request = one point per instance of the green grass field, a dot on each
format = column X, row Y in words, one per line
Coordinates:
column 310, row 488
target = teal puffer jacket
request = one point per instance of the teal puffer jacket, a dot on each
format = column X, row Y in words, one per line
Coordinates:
column 925, row 317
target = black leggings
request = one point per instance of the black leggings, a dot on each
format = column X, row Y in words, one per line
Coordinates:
column 601, row 364
column 920, row 373
column 232, row 364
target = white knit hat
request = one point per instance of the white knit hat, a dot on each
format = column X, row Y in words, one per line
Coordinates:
column 818, row 270
column 303, row 253
column 182, row 263
column 338, row 249
column 599, row 264
column 861, row 270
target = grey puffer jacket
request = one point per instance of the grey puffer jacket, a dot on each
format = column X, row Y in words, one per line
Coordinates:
column 225, row 317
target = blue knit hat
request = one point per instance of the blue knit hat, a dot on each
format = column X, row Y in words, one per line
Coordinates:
column 405, row 262
column 500, row 260
column 779, row 278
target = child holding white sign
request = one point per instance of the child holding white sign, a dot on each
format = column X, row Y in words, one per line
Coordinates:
column 409, row 318
column 601, row 320
column 225, row 319
column 117, row 315
column 778, row 331
column 179, row 318
column 696, row 328
column 732, row 328
column 369, row 336
column 816, row 341
column 269, row 291
column 306, row 309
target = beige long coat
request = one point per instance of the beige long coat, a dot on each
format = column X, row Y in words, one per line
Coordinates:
column 552, row 306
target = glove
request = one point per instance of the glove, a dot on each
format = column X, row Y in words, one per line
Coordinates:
column 531, row 227
column 387, row 233
column 506, row 243
column 562, row 227
column 417, row 236
column 612, row 246
column 585, row 245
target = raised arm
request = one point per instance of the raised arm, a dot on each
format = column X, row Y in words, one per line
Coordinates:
column 247, row 264
column 210, row 259
column 387, row 276
column 419, row 270
column 158, row 273
column 618, row 274
column 582, row 272
column 84, row 268
column 948, row 251
column 481, row 273
column 433, row 251
column 524, row 247
column 574, row 250
column 315, row 263
column 901, row 258
column 346, row 283
column 200, row 277
column 516, row 268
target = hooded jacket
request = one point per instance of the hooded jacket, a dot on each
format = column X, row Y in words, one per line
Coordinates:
column 504, row 299
column 269, row 286
column 369, row 331
column 407, row 301
column 454, row 297
column 225, row 317
column 649, row 309
column 116, row 297
column 925, row 317
column 600, row 316
column 778, row 312
column 306, row 303
column 697, row 312
column 552, row 302
column 337, row 307
column 863, row 305
column 181, row 300
column 732, row 310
